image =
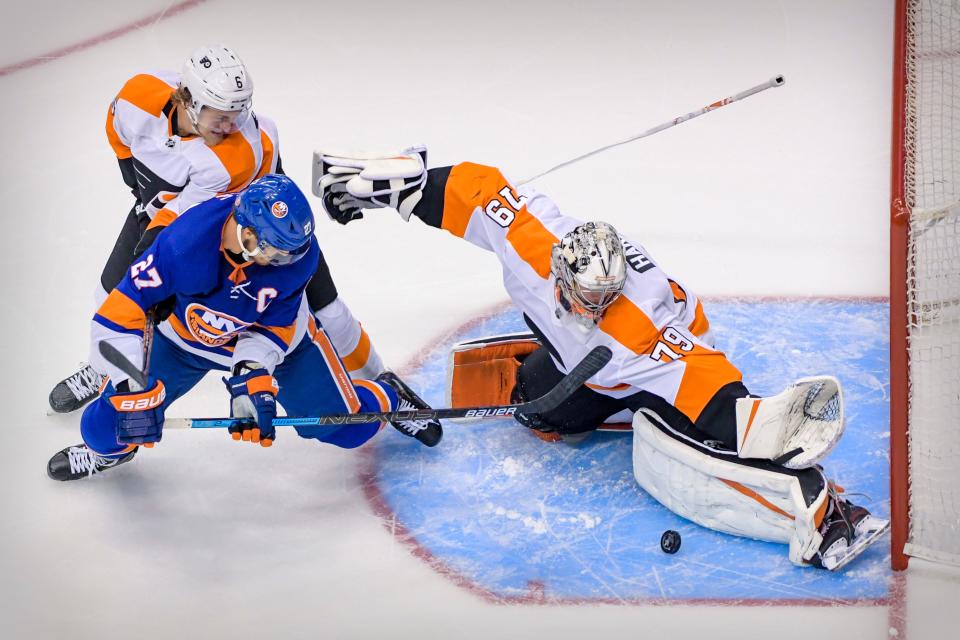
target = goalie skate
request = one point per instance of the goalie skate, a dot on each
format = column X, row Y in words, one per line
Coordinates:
column 870, row 529
column 848, row 531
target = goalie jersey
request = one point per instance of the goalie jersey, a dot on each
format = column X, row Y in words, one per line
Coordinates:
column 223, row 311
column 656, row 329
column 170, row 173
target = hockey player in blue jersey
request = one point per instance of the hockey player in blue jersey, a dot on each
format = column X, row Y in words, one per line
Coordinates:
column 234, row 269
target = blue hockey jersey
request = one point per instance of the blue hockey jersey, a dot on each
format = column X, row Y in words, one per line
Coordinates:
column 224, row 311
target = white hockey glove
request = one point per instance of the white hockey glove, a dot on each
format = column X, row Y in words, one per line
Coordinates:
column 347, row 182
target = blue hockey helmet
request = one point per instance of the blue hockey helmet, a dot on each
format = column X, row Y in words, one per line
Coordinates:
column 274, row 208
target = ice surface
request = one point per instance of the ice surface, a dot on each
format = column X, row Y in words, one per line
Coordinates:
column 782, row 194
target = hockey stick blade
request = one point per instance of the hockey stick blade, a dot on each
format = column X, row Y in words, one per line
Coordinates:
column 112, row 355
column 591, row 364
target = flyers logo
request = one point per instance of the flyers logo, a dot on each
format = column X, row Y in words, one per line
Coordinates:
column 210, row 327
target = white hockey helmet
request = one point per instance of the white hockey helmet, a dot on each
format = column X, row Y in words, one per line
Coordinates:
column 590, row 269
column 218, row 81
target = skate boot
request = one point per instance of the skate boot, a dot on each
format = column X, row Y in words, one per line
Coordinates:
column 80, row 461
column 428, row 432
column 77, row 390
column 847, row 531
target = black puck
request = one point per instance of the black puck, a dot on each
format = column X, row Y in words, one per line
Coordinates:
column 670, row 541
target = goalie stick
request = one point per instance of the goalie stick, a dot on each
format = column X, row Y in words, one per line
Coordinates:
column 776, row 81
column 592, row 363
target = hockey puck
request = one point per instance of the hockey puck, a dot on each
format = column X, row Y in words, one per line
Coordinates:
column 670, row 541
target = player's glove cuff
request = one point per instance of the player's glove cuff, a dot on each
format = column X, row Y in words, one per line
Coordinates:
column 139, row 417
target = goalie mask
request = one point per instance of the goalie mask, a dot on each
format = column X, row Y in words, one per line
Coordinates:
column 590, row 270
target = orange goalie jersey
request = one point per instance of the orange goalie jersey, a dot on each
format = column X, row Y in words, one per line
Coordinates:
column 656, row 329
column 171, row 173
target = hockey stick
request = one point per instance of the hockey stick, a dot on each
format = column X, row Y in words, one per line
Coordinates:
column 112, row 355
column 777, row 81
column 592, row 363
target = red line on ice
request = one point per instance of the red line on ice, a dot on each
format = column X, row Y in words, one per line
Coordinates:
column 169, row 12
column 895, row 600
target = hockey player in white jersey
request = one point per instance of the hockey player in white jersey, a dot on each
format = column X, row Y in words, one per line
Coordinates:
column 703, row 445
column 181, row 139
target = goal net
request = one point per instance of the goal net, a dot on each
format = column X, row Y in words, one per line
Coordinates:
column 925, row 283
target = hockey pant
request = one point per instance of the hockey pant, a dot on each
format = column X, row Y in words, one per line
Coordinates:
column 124, row 251
column 311, row 378
column 713, row 487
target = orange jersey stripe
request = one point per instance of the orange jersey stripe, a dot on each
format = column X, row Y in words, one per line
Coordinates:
column 467, row 184
column 532, row 241
column 284, row 333
column 180, row 330
column 377, row 392
column 121, row 310
column 750, row 493
column 471, row 186
column 359, row 356
column 678, row 293
column 123, row 151
column 340, row 375
column 267, row 161
column 237, row 157
column 700, row 324
column 706, row 372
column 626, row 323
column 162, row 218
column 146, row 92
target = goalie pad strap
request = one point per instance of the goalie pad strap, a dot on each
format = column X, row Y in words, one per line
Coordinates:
column 722, row 492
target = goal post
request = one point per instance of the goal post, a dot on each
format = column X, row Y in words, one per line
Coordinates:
column 925, row 283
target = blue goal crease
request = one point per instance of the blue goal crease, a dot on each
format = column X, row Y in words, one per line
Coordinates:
column 505, row 510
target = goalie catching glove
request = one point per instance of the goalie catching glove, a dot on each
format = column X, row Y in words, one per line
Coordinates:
column 347, row 182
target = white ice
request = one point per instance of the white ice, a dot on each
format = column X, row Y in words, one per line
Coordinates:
column 785, row 193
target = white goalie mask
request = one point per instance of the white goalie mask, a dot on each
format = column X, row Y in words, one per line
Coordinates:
column 221, row 89
column 590, row 270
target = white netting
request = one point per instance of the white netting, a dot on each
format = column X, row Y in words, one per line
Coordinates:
column 932, row 196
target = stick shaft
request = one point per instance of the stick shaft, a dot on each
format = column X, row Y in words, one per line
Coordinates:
column 777, row 81
column 592, row 363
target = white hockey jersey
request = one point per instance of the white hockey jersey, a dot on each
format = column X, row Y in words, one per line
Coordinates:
column 657, row 329
column 174, row 173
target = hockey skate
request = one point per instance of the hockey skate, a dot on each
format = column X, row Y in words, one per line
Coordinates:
column 76, row 390
column 428, row 432
column 80, row 461
column 848, row 530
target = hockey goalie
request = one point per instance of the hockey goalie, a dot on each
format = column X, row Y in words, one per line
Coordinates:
column 703, row 445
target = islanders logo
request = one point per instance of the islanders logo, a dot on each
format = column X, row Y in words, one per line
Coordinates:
column 279, row 209
column 212, row 328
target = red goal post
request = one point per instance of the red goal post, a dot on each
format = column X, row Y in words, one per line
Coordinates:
column 925, row 283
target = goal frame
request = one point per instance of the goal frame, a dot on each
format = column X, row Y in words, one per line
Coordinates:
column 899, row 355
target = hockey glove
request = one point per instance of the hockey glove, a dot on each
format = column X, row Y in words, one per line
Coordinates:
column 253, row 395
column 139, row 414
column 349, row 181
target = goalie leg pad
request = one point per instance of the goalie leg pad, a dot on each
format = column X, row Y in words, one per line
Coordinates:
column 719, row 491
column 797, row 427
column 484, row 371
